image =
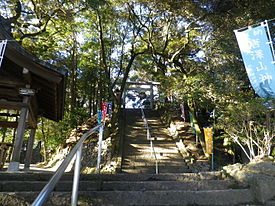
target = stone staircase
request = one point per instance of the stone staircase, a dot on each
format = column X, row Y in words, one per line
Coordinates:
column 137, row 151
column 173, row 189
column 137, row 185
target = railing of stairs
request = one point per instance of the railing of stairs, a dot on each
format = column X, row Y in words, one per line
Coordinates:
column 149, row 137
column 76, row 151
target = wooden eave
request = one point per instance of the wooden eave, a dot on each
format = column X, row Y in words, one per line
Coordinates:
column 48, row 80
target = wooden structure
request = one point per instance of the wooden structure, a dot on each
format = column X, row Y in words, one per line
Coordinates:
column 29, row 88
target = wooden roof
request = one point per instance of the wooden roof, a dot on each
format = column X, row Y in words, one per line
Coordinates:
column 47, row 80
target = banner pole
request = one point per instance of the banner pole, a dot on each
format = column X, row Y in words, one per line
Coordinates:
column 212, row 159
column 270, row 40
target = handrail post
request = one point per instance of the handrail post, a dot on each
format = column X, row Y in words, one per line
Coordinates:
column 157, row 167
column 99, row 149
column 76, row 176
column 45, row 192
column 153, row 152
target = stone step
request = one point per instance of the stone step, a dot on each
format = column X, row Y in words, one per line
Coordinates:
column 161, row 159
column 153, row 163
column 148, row 198
column 171, row 197
column 166, row 185
column 146, row 146
column 35, row 176
column 55, row 198
column 206, row 188
column 145, row 141
column 66, row 186
column 146, row 153
column 152, row 169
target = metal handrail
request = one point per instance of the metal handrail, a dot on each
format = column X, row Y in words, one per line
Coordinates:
column 77, row 150
column 153, row 152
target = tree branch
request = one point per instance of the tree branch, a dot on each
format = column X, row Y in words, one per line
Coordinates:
column 18, row 11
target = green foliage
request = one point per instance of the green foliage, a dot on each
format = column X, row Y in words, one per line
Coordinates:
column 244, row 111
column 250, row 125
column 54, row 133
column 96, row 3
column 187, row 46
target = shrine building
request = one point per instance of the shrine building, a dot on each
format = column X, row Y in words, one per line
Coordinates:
column 29, row 89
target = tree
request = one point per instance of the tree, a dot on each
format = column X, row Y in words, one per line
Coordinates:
column 251, row 126
column 192, row 44
column 223, row 82
column 188, row 46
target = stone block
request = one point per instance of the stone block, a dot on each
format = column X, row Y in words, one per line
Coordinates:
column 263, row 187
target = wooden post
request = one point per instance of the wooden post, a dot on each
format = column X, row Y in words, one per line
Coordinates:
column 29, row 150
column 15, row 159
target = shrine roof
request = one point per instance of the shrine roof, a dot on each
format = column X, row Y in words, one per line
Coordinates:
column 47, row 80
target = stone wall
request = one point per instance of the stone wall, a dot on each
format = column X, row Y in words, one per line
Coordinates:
column 259, row 175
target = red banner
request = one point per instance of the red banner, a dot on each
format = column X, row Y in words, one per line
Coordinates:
column 104, row 110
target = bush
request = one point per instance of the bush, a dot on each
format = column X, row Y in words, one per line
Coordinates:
column 251, row 126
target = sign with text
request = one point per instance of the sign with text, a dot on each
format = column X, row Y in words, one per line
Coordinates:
column 258, row 59
column 26, row 91
column 208, row 135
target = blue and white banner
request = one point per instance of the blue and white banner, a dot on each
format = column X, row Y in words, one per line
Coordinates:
column 3, row 45
column 258, row 59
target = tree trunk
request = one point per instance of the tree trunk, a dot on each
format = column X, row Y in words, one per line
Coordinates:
column 106, row 77
column 44, row 140
column 73, row 73
column 196, row 125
